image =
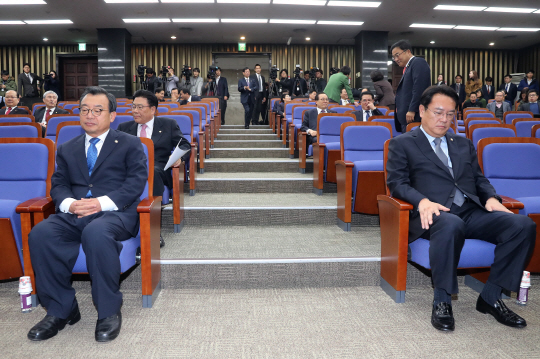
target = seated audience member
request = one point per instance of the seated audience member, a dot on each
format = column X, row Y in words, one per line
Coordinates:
column 42, row 114
column 311, row 96
column 499, row 106
column 384, row 93
column 160, row 94
column 440, row 80
column 368, row 106
column 510, row 89
column 479, row 98
column 344, row 98
column 175, row 95
column 185, row 95
column 528, row 82
column 523, row 97
column 96, row 209
column 438, row 174
column 532, row 104
column 12, row 100
column 309, row 124
column 285, row 99
column 472, row 102
column 488, row 92
column 7, row 83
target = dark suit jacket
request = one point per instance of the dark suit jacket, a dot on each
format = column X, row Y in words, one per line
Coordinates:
column 41, row 111
column 247, row 96
column 462, row 95
column 525, row 106
column 120, row 173
column 385, row 93
column 254, row 76
column 222, row 87
column 193, row 98
column 416, row 79
column 320, row 84
column 26, row 88
column 310, row 119
column 360, row 114
column 512, row 92
column 16, row 111
column 349, row 103
column 488, row 96
column 415, row 172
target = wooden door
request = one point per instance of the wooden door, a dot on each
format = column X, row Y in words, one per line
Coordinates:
column 78, row 74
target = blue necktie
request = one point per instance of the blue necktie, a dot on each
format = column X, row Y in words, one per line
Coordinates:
column 91, row 157
column 367, row 116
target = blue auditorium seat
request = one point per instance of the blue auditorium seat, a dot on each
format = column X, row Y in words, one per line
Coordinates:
column 54, row 120
column 20, row 131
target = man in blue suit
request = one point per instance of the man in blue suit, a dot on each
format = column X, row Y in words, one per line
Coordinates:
column 96, row 189
column 247, row 87
column 416, row 78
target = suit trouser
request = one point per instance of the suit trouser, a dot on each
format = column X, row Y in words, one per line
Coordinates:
column 257, row 106
column 161, row 179
column 310, row 140
column 223, row 108
column 247, row 112
column 513, row 234
column 54, row 248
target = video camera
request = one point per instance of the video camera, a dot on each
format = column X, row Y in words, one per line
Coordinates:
column 186, row 71
column 140, row 70
column 46, row 76
column 334, row 70
column 165, row 70
column 274, row 72
column 297, row 71
column 313, row 71
column 212, row 73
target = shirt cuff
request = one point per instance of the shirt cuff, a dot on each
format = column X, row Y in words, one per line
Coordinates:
column 64, row 206
column 107, row 204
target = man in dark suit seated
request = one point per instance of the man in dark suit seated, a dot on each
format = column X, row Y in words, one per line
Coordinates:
column 185, row 96
column 12, row 100
column 438, row 173
column 532, row 105
column 368, row 107
column 42, row 114
column 510, row 89
column 344, row 98
column 163, row 131
column 160, row 94
column 472, row 102
column 280, row 105
column 247, row 87
column 311, row 96
column 96, row 188
column 309, row 123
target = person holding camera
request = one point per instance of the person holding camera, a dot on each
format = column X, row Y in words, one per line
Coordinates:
column 52, row 83
column 196, row 82
column 152, row 81
column 283, row 82
column 337, row 82
column 172, row 80
column 320, row 82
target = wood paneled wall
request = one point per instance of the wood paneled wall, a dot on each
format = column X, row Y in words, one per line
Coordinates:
column 529, row 58
column 41, row 58
column 452, row 62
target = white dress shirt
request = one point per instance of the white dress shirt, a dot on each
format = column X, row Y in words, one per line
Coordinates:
column 444, row 145
column 149, row 128
column 44, row 119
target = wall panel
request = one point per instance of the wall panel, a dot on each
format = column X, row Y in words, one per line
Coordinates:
column 529, row 58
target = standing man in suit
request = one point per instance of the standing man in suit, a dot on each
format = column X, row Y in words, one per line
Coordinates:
column 416, row 78
column 260, row 95
column 247, row 87
column 309, row 123
column 12, row 100
column 185, row 96
column 368, row 107
column 163, row 131
column 28, row 84
column 438, row 173
column 499, row 106
column 459, row 87
column 488, row 92
column 96, row 188
column 532, row 105
column 510, row 89
column 222, row 92
column 42, row 114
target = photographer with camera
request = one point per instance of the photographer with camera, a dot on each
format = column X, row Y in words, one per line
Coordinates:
column 172, row 80
column 52, row 83
column 336, row 83
column 299, row 85
column 320, row 82
column 152, row 81
column 196, row 82
column 217, row 86
column 283, row 82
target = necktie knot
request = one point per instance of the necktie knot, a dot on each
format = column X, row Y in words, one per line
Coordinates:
column 94, row 141
column 143, row 130
column 91, row 156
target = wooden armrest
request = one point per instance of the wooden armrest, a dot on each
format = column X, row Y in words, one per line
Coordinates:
column 145, row 206
column 38, row 204
column 511, row 203
column 344, row 163
column 399, row 204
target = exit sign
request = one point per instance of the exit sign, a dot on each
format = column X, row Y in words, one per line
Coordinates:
column 241, row 46
column 82, row 47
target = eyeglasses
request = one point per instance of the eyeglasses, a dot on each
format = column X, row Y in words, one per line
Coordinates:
column 138, row 107
column 449, row 115
column 323, row 99
column 395, row 56
column 95, row 111
column 11, row 97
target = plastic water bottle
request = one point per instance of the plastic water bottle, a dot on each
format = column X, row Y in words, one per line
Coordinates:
column 523, row 294
column 25, row 290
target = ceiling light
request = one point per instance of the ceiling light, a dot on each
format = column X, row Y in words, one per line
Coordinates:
column 242, row 37
column 280, row 21
column 47, row 22
column 187, row 1
column 518, row 29
column 432, row 42
column 484, row 28
column 300, row 2
column 354, row 3
column 459, row 8
column 510, row 9
column 537, row 12
column 45, row 39
column 433, row 26
column 130, row 1
column 385, row 51
column 253, row 21
column 357, row 23
column 243, row 1
column 11, row 22
column 308, row 38
column 23, row 2
column 491, row 43
column 173, row 37
column 145, row 20
column 195, row 20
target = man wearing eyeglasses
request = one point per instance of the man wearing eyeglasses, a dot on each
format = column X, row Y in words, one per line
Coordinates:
column 309, row 124
column 368, row 107
column 12, row 100
column 416, row 78
column 438, row 173
column 96, row 189
column 163, row 131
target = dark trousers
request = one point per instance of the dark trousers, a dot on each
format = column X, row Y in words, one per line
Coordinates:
column 310, row 140
column 161, row 179
column 223, row 108
column 257, row 108
column 247, row 112
column 54, row 248
column 513, row 234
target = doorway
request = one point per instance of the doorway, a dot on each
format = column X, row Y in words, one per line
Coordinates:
column 78, row 73
column 232, row 65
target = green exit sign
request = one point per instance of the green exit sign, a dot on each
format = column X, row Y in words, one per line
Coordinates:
column 241, row 46
column 82, row 47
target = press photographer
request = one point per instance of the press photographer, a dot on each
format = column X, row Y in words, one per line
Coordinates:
column 217, row 86
column 299, row 87
column 152, row 81
column 320, row 82
column 167, row 74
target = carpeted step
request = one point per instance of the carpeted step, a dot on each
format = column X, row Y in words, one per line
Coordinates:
column 249, row 153
column 253, row 165
column 246, row 136
column 248, row 144
column 243, row 131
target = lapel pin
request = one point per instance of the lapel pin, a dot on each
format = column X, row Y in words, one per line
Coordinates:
column 451, row 139
column 115, row 141
column 159, row 131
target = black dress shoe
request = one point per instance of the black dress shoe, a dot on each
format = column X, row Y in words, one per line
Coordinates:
column 442, row 317
column 49, row 326
column 246, row 127
column 500, row 312
column 161, row 242
column 107, row 329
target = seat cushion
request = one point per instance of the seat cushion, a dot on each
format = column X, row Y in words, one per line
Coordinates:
column 475, row 253
column 7, row 210
column 368, row 165
column 532, row 205
column 127, row 256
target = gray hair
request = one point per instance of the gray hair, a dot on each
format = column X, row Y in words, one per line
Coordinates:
column 50, row 92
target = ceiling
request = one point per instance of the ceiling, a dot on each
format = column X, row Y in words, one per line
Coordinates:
column 394, row 16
